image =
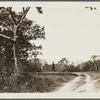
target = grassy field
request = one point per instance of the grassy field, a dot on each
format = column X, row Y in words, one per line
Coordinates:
column 34, row 83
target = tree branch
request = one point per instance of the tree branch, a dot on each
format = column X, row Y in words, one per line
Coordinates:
column 7, row 37
column 25, row 11
column 24, row 14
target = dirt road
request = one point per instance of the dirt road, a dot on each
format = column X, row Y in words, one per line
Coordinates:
column 79, row 84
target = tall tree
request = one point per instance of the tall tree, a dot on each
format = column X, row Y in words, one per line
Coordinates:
column 93, row 58
column 53, row 67
column 16, row 31
column 63, row 63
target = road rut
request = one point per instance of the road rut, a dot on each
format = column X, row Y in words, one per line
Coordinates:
column 73, row 86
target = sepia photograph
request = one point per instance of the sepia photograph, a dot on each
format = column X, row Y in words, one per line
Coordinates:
column 50, row 47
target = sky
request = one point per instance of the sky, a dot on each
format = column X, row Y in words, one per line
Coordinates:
column 72, row 31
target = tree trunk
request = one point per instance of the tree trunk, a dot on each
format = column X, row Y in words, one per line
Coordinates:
column 15, row 59
column 14, row 51
column 15, row 37
column 96, row 67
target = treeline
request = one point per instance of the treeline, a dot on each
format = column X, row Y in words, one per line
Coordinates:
column 89, row 66
column 39, row 65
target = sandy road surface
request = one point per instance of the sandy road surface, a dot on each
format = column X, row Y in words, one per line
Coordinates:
column 73, row 86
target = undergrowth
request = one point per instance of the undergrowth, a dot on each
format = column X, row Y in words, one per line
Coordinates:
column 28, row 83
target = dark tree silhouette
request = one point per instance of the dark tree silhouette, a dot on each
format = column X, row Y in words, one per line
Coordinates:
column 53, row 66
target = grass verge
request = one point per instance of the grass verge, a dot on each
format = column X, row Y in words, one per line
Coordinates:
column 29, row 83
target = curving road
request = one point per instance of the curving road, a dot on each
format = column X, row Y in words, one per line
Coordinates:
column 77, row 86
